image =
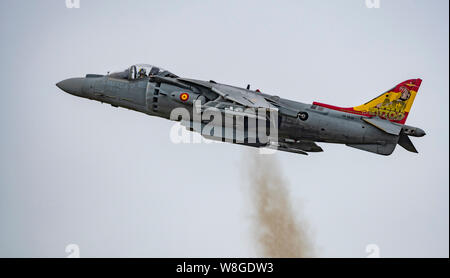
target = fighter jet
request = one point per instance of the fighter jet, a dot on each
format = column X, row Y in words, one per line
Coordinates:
column 250, row 117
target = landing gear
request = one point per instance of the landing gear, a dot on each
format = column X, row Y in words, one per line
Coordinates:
column 303, row 116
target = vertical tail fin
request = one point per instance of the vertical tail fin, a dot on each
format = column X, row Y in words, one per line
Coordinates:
column 393, row 105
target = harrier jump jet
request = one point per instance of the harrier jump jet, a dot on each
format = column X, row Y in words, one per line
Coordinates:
column 376, row 126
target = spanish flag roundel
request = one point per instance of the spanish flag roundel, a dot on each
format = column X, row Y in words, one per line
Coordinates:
column 184, row 96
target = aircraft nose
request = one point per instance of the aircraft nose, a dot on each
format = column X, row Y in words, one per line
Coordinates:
column 72, row 86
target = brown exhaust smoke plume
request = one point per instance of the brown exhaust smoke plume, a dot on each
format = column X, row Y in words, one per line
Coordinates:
column 278, row 229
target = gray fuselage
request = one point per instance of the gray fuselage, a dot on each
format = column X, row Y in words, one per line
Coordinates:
column 155, row 98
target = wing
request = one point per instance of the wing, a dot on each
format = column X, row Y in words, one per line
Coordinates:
column 241, row 96
column 233, row 101
column 282, row 107
column 384, row 125
column 299, row 147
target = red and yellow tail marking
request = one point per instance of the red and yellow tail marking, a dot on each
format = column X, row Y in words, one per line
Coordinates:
column 393, row 105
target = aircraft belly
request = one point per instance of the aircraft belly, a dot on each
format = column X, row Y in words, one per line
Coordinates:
column 375, row 136
column 341, row 130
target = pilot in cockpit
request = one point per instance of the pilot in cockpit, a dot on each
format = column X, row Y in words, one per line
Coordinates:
column 142, row 73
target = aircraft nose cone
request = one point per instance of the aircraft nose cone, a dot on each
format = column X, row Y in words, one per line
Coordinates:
column 72, row 86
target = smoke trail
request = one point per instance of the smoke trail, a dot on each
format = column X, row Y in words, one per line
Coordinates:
column 278, row 231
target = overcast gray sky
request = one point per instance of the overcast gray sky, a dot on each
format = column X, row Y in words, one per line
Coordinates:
column 111, row 181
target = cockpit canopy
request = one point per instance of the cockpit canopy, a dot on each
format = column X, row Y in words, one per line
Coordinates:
column 140, row 71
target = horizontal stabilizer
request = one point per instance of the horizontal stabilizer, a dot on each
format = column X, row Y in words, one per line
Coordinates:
column 406, row 143
column 384, row 125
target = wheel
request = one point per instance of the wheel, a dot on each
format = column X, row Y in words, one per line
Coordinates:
column 303, row 116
